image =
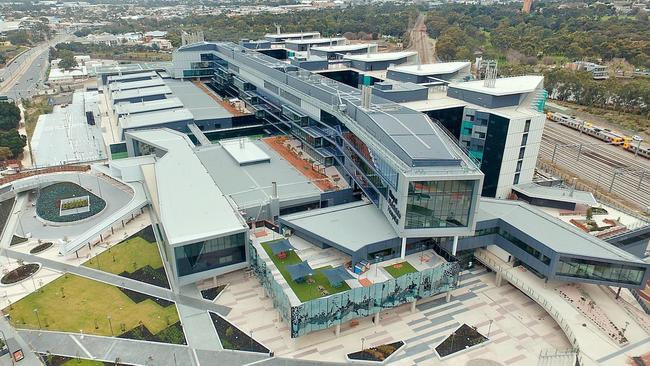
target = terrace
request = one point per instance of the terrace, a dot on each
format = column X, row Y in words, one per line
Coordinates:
column 319, row 284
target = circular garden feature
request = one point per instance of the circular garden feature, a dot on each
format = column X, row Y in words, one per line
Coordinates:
column 20, row 273
column 67, row 202
column 41, row 247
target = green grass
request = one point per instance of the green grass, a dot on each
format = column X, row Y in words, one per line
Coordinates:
column 304, row 291
column 399, row 272
column 127, row 256
column 86, row 305
column 83, row 362
column 119, row 155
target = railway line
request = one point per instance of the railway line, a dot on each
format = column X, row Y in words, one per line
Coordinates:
column 598, row 163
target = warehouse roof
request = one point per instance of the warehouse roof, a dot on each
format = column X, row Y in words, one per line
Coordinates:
column 191, row 205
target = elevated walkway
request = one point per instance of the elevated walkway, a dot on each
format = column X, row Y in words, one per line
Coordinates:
column 200, row 137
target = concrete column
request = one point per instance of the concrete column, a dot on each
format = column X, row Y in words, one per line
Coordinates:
column 499, row 279
column 448, row 298
column 377, row 319
column 337, row 330
column 403, row 252
column 454, row 246
column 413, row 306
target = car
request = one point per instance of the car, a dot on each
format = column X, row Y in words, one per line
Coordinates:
column 637, row 138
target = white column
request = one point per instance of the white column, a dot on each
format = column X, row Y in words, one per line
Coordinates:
column 376, row 319
column 413, row 304
column 403, row 253
column 454, row 246
column 337, row 330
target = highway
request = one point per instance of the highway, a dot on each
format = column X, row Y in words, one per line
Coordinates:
column 26, row 74
column 598, row 163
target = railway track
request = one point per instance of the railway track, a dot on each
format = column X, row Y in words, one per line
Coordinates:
column 598, row 163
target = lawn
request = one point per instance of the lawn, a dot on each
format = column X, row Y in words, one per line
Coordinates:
column 86, row 305
column 83, row 362
column 304, row 291
column 400, row 269
column 34, row 108
column 127, row 256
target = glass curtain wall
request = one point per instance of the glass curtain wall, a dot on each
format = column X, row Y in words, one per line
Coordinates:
column 436, row 204
column 601, row 271
column 210, row 254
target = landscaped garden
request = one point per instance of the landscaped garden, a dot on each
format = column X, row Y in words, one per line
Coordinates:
column 48, row 204
column 21, row 273
column 76, row 304
column 400, row 269
column 56, row 360
column 41, row 247
column 233, row 338
column 376, row 354
column 136, row 258
column 212, row 293
column 463, row 338
column 312, row 288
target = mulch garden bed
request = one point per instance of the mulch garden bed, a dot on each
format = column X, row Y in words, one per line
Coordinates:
column 148, row 274
column 146, row 234
column 138, row 297
column 378, row 353
column 20, row 273
column 49, row 201
column 463, row 338
column 233, row 338
column 212, row 293
column 56, row 360
column 15, row 240
column 5, row 211
column 41, row 248
column 172, row 334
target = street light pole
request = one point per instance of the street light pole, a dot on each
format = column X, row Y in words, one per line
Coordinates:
column 363, row 340
column 110, row 325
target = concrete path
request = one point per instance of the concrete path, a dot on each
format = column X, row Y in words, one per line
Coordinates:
column 9, row 332
column 130, row 351
column 116, row 280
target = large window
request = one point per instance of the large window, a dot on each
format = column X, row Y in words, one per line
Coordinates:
column 210, row 254
column 436, row 204
column 601, row 271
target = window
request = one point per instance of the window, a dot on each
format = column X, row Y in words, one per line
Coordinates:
column 436, row 204
column 516, row 180
column 210, row 254
column 518, row 169
column 601, row 271
column 524, row 139
column 527, row 126
column 522, row 150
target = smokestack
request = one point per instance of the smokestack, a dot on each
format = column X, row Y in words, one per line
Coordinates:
column 366, row 92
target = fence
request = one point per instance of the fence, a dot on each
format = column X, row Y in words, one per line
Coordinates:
column 358, row 302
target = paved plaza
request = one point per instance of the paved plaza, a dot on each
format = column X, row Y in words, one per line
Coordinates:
column 519, row 331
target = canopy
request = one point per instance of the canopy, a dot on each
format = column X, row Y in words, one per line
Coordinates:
column 337, row 275
column 280, row 246
column 299, row 271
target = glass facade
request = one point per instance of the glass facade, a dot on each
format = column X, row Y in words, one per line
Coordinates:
column 600, row 271
column 210, row 254
column 437, row 204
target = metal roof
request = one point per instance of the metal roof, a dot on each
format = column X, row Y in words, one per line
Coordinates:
column 154, row 118
column 202, row 105
column 244, row 151
column 291, row 35
column 503, row 86
column 137, row 93
column 135, row 75
column 439, row 68
column 381, row 56
column 155, row 81
column 314, row 40
column 555, row 234
column 352, row 226
column 344, row 47
column 149, row 106
column 535, row 190
column 251, row 185
column 191, row 205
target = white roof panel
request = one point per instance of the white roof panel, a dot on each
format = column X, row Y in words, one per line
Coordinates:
column 431, row 69
column 503, row 86
column 382, row 56
column 244, row 151
column 344, row 47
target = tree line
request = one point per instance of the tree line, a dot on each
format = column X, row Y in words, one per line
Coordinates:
column 11, row 142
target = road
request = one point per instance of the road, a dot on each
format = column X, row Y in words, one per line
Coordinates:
column 598, row 163
column 421, row 42
column 26, row 74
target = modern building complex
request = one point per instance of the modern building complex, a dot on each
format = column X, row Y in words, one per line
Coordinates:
column 362, row 173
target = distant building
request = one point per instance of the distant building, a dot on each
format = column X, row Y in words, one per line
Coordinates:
column 599, row 72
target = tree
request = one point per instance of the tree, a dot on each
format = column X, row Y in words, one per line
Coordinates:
column 14, row 141
column 67, row 60
column 9, row 116
column 5, row 153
